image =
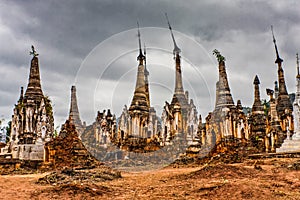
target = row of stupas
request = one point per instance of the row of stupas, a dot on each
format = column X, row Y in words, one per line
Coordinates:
column 267, row 127
column 140, row 124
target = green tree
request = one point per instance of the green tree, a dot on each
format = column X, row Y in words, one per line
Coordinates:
column 8, row 131
column 218, row 55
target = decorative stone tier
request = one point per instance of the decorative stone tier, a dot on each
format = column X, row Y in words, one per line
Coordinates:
column 290, row 144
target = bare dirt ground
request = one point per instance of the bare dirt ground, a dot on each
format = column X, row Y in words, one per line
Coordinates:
column 260, row 179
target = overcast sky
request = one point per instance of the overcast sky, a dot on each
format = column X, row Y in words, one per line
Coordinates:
column 93, row 44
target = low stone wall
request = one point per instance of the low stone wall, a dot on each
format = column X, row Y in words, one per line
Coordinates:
column 17, row 166
column 275, row 155
column 9, row 165
column 31, row 152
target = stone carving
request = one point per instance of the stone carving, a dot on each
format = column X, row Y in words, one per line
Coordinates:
column 33, row 52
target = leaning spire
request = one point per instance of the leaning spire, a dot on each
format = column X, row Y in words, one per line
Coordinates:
column 176, row 48
column 278, row 59
column 283, row 100
column 178, row 96
column 140, row 57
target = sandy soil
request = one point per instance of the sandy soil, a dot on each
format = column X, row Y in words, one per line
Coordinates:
column 270, row 179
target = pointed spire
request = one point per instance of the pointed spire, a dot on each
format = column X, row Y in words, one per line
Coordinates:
column 146, row 71
column 176, row 48
column 140, row 101
column 21, row 94
column 283, row 100
column 74, row 111
column 297, row 57
column 257, row 121
column 140, row 57
column 297, row 98
column 74, row 116
column 223, row 94
column 34, row 90
column 278, row 59
column 178, row 96
column 256, row 80
column 257, row 107
column 73, row 104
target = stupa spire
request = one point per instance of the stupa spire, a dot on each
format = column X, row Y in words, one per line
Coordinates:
column 146, row 77
column 140, row 57
column 34, row 90
column 223, row 94
column 140, row 101
column 278, row 59
column 178, row 96
column 257, row 106
column 176, row 48
column 74, row 111
column 283, row 100
column 298, row 73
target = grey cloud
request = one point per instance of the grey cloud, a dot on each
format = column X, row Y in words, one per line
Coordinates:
column 65, row 32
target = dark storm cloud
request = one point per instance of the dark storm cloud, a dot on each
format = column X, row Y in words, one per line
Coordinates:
column 65, row 32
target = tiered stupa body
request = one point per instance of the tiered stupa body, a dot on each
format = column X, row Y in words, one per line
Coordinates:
column 257, row 118
column 283, row 101
column 293, row 143
column 227, row 121
column 221, row 119
column 140, row 104
column 223, row 95
column 139, row 121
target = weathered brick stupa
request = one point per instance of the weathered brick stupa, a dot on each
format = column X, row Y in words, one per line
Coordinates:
column 257, row 119
column 32, row 120
column 227, row 122
column 74, row 116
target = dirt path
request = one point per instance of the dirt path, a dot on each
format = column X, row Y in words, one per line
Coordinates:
column 239, row 181
column 19, row 186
